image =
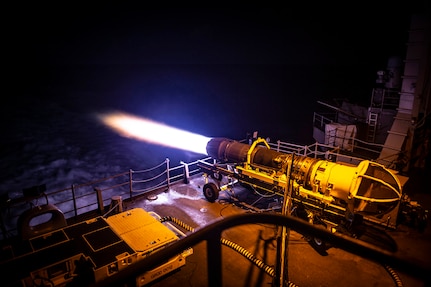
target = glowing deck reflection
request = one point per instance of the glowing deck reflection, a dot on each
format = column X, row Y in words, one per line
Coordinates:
column 154, row 132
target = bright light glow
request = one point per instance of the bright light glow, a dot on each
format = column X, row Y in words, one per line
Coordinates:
column 157, row 133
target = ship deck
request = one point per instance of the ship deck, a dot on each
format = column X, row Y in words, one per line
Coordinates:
column 186, row 202
column 305, row 266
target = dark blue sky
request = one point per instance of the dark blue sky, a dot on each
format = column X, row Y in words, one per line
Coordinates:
column 224, row 35
column 41, row 39
column 270, row 63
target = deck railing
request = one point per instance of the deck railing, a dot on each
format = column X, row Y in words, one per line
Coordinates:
column 96, row 195
column 324, row 151
column 363, row 149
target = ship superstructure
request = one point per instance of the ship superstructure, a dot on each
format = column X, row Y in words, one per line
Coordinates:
column 394, row 129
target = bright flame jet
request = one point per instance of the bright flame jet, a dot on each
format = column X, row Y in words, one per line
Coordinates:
column 154, row 132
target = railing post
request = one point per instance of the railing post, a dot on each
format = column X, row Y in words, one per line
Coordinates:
column 99, row 199
column 186, row 172
column 214, row 262
column 130, row 183
column 74, row 200
column 168, row 180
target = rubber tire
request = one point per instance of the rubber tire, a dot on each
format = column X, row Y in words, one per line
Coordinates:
column 211, row 191
column 318, row 244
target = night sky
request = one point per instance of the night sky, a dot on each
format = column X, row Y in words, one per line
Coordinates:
column 256, row 67
column 249, row 35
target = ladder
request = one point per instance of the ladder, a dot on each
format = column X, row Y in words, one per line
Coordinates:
column 372, row 126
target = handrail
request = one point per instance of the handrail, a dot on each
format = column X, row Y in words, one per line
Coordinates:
column 319, row 150
column 212, row 235
column 81, row 198
column 364, row 148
